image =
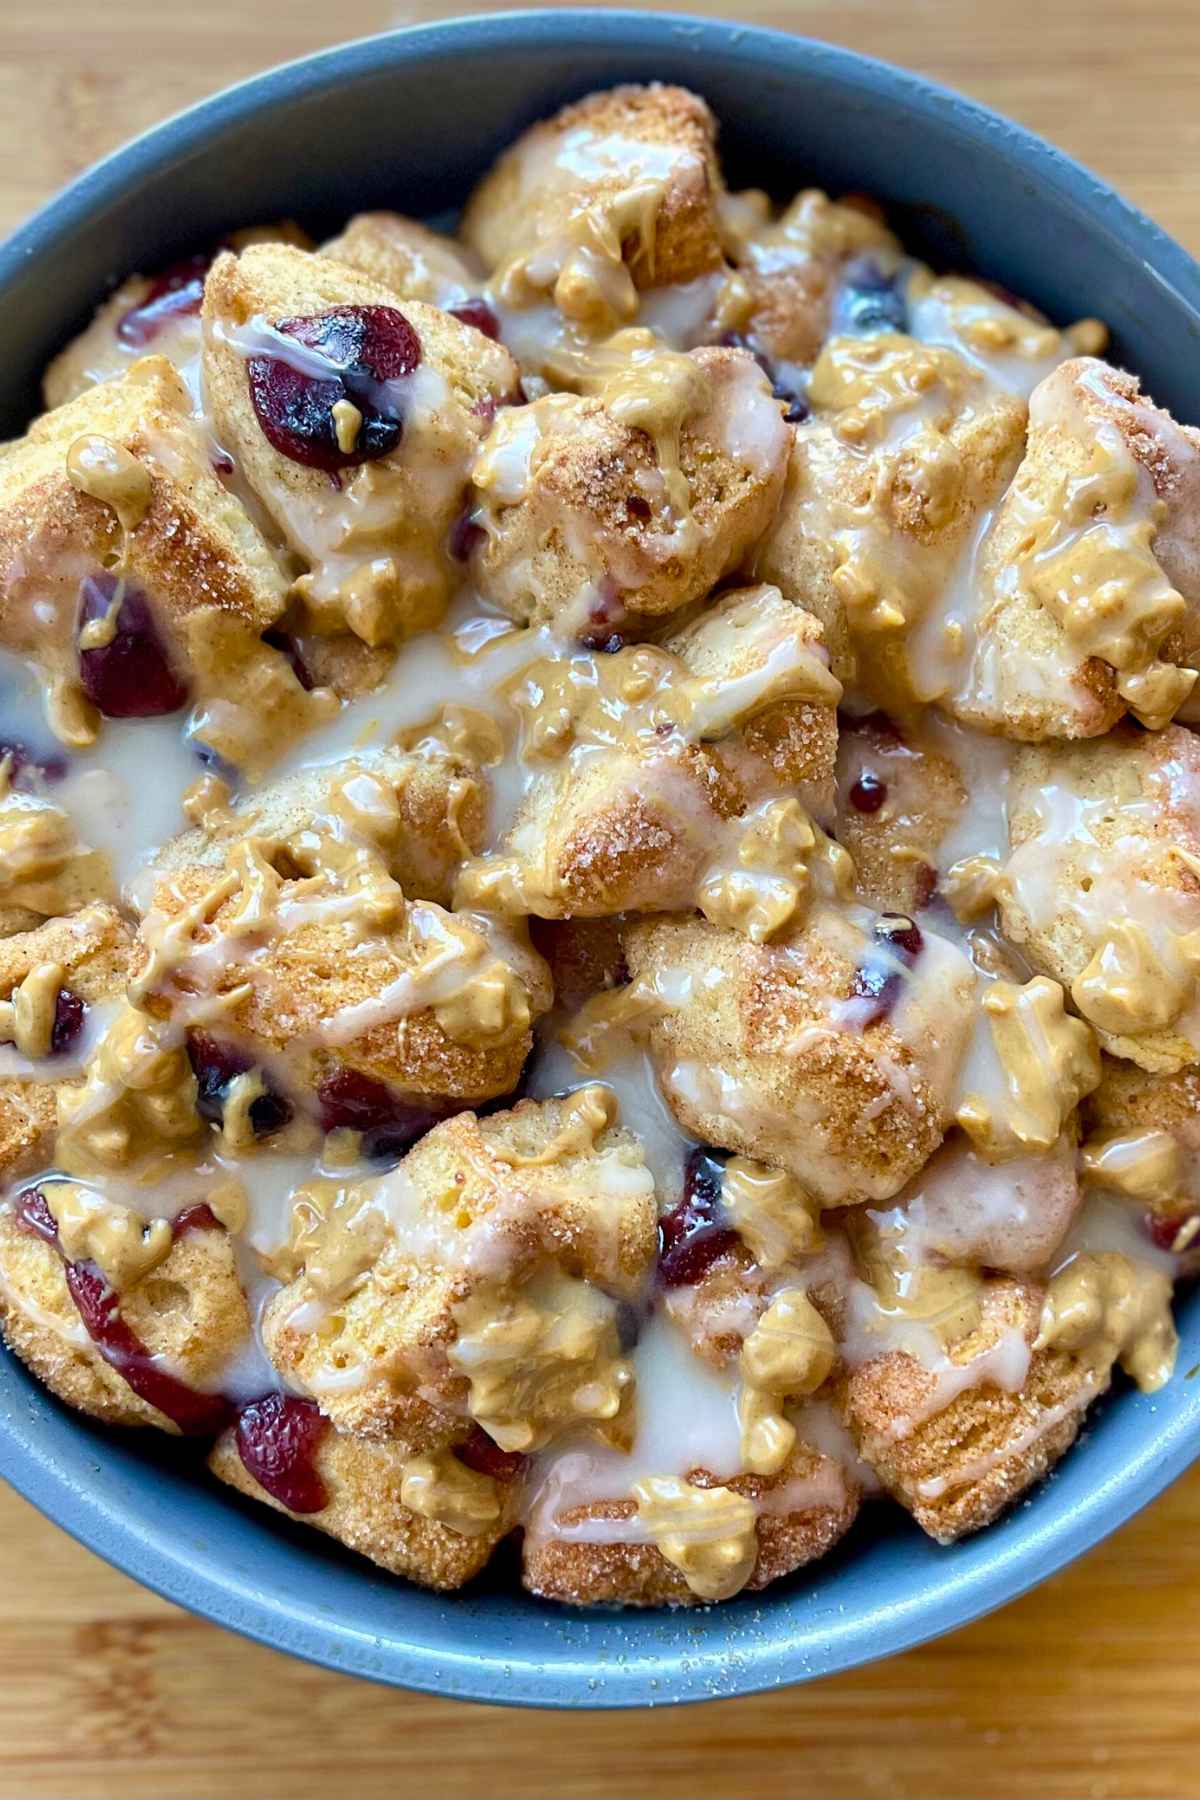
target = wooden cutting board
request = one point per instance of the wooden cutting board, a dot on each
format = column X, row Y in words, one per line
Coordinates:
column 1086, row 1688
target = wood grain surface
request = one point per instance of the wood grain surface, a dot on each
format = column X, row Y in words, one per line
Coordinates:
column 1085, row 1688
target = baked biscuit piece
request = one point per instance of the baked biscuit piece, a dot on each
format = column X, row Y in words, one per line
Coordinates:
column 794, row 267
column 86, row 958
column 907, row 448
column 187, row 1314
column 155, row 315
column 719, row 1311
column 602, row 513
column 465, row 1277
column 422, row 811
column 364, row 1485
column 375, row 538
column 897, row 798
column 619, row 832
column 652, row 759
column 1041, row 658
column 1141, row 1136
column 613, row 194
column 739, row 640
column 1169, row 454
column 956, row 1466
column 1101, row 890
column 406, row 256
column 800, row 1053
column 117, row 487
column 336, row 972
column 92, row 947
column 801, row 1513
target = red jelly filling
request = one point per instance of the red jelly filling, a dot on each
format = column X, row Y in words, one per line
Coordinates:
column 277, row 1439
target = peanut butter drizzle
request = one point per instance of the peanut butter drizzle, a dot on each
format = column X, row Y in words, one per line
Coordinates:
column 43, row 866
column 27, row 1019
column 111, row 474
column 138, row 1098
column 1087, row 557
column 124, row 1245
column 789, row 1354
column 709, row 1534
column 765, row 886
column 1108, row 1309
column 775, row 1217
column 542, row 1359
column 1146, row 1165
column 1135, row 982
column 1048, row 1060
column 587, row 1113
column 445, row 1490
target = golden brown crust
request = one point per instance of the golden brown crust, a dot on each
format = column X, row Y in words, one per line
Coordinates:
column 829, row 1105
column 1128, row 808
column 439, row 817
column 403, row 254
column 795, row 740
column 623, row 1574
column 791, row 268
column 366, row 1513
column 958, row 1469
column 585, row 956
column 398, row 1321
column 521, row 200
column 919, row 489
column 577, row 548
column 194, row 549
column 394, row 576
column 307, row 979
column 93, row 946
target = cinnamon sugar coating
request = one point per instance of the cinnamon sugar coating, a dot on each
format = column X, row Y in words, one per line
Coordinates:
column 189, row 1310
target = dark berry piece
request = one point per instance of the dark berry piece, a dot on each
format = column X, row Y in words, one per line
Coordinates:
column 638, row 508
column 877, row 979
column 868, row 793
column 286, row 644
column 349, row 353
column 603, row 643
column 697, row 1232
column 22, row 761
column 924, row 885
column 877, row 725
column 1164, row 1230
column 390, row 1124
column 131, row 677
column 216, row 1066
column 870, row 299
column 278, row 1438
column 69, row 1015
column 196, row 1414
column 178, row 291
column 484, row 1455
column 478, row 313
column 794, row 401
column 629, row 1325
column 465, row 536
column 34, row 1217
column 197, row 1217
